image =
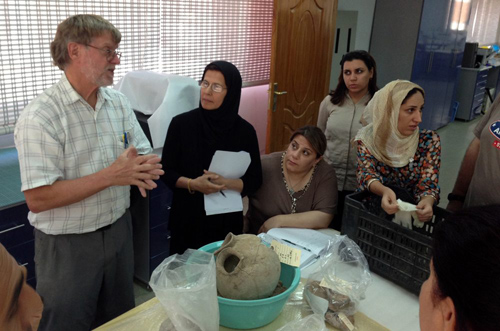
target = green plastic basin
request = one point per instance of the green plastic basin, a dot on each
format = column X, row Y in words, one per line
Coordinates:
column 251, row 314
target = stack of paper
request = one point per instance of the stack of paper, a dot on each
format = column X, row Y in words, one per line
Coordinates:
column 311, row 243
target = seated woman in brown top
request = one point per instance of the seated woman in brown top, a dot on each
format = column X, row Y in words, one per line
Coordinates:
column 299, row 189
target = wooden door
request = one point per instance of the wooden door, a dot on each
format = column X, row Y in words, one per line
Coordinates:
column 302, row 44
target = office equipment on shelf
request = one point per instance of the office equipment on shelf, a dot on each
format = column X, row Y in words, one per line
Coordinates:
column 484, row 54
column 150, row 223
column 471, row 92
column 159, row 97
column 470, row 53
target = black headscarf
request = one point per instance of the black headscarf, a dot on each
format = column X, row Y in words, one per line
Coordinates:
column 218, row 122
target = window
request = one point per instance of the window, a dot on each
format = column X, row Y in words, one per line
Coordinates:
column 484, row 25
column 460, row 14
column 173, row 36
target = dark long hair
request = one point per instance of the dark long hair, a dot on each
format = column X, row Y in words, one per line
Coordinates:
column 338, row 95
column 466, row 259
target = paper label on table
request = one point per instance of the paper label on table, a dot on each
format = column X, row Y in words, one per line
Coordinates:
column 286, row 254
column 343, row 317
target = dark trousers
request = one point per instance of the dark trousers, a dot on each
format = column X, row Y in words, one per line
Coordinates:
column 85, row 279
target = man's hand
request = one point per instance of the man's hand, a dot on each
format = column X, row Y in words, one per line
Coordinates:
column 133, row 169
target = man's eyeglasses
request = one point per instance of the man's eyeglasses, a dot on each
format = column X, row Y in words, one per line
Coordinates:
column 215, row 87
column 110, row 55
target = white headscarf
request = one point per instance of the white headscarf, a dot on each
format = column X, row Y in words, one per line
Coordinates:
column 382, row 137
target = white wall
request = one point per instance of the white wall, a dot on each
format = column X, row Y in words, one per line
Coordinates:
column 365, row 9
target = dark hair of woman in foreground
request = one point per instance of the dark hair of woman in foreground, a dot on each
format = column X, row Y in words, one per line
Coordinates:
column 464, row 286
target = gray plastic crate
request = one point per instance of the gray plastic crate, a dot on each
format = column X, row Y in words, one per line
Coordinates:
column 393, row 251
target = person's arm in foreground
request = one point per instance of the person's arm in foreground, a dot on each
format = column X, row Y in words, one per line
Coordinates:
column 465, row 175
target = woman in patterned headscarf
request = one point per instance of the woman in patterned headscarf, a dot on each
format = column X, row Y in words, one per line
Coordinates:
column 20, row 306
column 394, row 154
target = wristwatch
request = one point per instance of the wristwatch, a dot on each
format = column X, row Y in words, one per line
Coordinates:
column 456, row 197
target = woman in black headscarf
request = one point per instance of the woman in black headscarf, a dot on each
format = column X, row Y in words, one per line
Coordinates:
column 191, row 142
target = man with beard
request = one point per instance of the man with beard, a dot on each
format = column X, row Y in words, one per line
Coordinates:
column 80, row 148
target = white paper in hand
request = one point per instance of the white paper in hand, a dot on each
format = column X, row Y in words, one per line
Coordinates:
column 229, row 165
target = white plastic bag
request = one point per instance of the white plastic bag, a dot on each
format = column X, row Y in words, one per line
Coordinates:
column 345, row 268
column 186, row 287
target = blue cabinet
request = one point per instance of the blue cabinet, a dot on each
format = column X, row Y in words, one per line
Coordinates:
column 150, row 223
column 414, row 40
column 16, row 234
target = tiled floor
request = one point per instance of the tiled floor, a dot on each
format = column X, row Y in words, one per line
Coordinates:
column 455, row 138
column 142, row 292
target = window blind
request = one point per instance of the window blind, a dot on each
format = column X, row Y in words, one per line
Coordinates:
column 198, row 32
column 172, row 36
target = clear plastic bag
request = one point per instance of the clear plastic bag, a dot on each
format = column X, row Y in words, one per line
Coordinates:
column 336, row 289
column 312, row 322
column 186, row 287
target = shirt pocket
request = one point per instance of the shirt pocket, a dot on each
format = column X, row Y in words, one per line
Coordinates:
column 114, row 145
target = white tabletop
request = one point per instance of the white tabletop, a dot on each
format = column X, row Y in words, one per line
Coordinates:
column 385, row 302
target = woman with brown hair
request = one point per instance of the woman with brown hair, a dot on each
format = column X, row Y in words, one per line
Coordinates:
column 340, row 119
column 299, row 189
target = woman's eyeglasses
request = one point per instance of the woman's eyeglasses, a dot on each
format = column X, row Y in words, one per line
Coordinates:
column 215, row 87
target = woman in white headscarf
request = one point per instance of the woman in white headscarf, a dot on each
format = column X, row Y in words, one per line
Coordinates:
column 394, row 154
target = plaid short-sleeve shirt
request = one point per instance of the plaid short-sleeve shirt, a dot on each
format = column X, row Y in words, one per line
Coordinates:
column 59, row 137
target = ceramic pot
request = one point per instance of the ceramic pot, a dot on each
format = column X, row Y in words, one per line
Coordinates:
column 246, row 268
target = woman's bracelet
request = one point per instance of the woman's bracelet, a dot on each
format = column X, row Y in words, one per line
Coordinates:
column 189, row 187
column 370, row 182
